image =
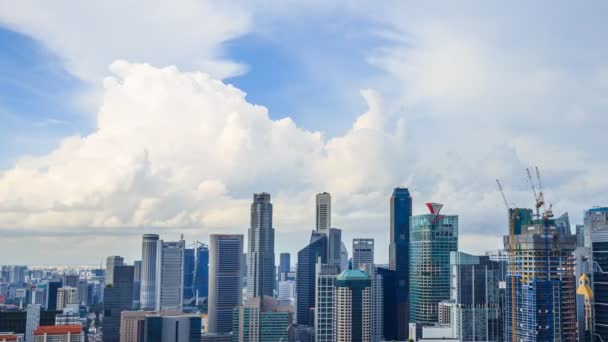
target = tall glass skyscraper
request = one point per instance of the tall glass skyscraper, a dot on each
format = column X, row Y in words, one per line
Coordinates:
column 401, row 212
column 260, row 251
column 305, row 285
column 189, row 269
column 432, row 238
column 225, row 276
column 118, row 297
column 201, row 273
column 284, row 266
column 149, row 260
column 596, row 234
column 170, row 276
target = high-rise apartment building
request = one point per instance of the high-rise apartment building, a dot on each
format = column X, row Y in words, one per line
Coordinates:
column 118, row 297
column 260, row 251
column 149, row 261
column 432, row 238
column 353, row 307
column 476, row 308
column 66, row 295
column 225, row 277
column 323, row 201
column 363, row 254
column 316, row 251
column 401, row 212
column 170, row 276
column 596, row 238
column 262, row 319
column 540, row 285
column 112, row 261
column 324, row 301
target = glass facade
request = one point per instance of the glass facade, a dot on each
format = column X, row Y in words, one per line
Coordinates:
column 432, row 238
column 399, row 255
column 305, row 285
column 596, row 228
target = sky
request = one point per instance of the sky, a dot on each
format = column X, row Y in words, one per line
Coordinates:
column 123, row 117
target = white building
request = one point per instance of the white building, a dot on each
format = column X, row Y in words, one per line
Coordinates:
column 66, row 295
column 170, row 275
column 287, row 292
column 363, row 253
column 325, row 279
column 32, row 321
column 323, row 212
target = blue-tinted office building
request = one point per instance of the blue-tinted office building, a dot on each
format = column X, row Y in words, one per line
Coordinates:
column 401, row 211
column 305, row 285
column 596, row 232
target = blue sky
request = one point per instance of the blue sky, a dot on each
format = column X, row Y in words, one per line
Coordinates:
column 441, row 99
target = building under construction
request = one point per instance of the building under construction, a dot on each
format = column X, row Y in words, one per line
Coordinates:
column 541, row 283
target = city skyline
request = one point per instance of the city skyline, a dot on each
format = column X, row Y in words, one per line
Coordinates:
column 352, row 99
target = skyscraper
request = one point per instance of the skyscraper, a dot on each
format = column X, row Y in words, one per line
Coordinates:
column 118, row 297
column 170, row 276
column 324, row 301
column 475, row 297
column 353, row 311
column 189, row 269
column 201, row 272
column 401, row 212
column 540, row 284
column 51, row 295
column 308, row 257
column 596, row 238
column 136, row 282
column 323, row 212
column 142, row 326
column 32, row 321
column 66, row 295
column 112, row 261
column 363, row 254
column 432, row 238
column 284, row 266
column 225, row 272
column 260, row 251
column 149, row 260
column 262, row 319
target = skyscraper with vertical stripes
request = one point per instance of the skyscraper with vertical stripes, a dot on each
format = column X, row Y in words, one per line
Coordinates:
column 260, row 250
column 149, row 260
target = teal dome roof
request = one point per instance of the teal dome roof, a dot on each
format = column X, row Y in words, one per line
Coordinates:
column 353, row 275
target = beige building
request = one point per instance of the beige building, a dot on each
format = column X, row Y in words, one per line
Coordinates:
column 66, row 295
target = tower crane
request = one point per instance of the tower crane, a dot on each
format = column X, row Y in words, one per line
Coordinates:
column 512, row 216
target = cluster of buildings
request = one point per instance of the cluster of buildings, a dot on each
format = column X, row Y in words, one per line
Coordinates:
column 547, row 284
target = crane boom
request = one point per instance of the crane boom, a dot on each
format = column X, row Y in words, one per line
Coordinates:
column 504, row 198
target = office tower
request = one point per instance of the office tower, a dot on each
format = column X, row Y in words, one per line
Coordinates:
column 66, row 295
column 83, row 291
column 377, row 304
column 118, row 297
column 136, row 282
column 32, row 321
column 142, row 326
column 596, row 238
column 284, row 266
column 323, row 212
column 201, row 273
column 475, row 300
column 540, row 293
column 363, row 254
column 13, row 321
column 260, row 251
column 170, row 276
column 189, row 265
column 401, row 211
column 149, row 260
column 14, row 273
column 112, row 261
column 353, row 309
column 225, row 272
column 39, row 295
column 71, row 280
column 324, row 301
column 262, row 319
column 580, row 235
column 63, row 333
column 432, row 238
column 287, row 292
column 305, row 275
column 334, row 246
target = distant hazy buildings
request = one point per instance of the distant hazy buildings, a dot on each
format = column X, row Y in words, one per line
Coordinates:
column 149, row 260
column 225, row 272
column 432, row 238
column 260, row 251
column 112, row 261
column 65, row 296
column 323, row 212
column 401, row 212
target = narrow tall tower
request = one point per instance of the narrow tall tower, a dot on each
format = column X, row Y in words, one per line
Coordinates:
column 149, row 260
column 260, row 251
column 401, row 212
column 323, row 212
column 170, row 275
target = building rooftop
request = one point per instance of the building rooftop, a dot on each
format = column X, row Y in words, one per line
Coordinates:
column 58, row 329
column 353, row 275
